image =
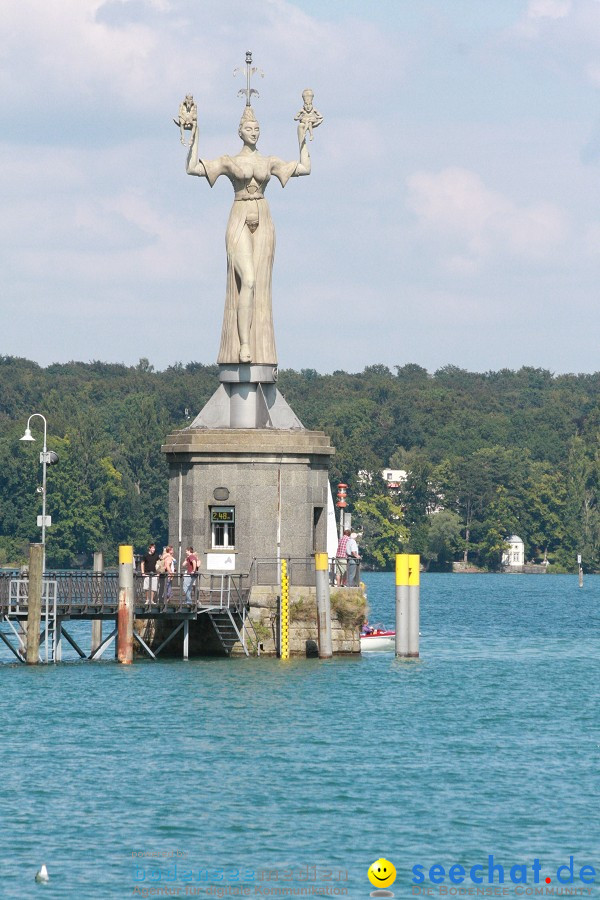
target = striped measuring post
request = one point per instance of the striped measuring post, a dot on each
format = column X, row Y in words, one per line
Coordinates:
column 284, row 614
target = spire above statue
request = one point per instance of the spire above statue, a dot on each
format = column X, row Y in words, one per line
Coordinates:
column 250, row 71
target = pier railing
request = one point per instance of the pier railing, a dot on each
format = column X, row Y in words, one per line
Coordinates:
column 69, row 592
column 266, row 570
column 301, row 571
column 92, row 594
column 96, row 595
column 344, row 573
column 186, row 592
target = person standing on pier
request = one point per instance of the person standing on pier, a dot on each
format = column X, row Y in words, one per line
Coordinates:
column 341, row 561
column 190, row 567
column 148, row 567
column 352, row 557
column 169, row 561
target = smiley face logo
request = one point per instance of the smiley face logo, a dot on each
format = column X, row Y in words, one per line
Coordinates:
column 382, row 873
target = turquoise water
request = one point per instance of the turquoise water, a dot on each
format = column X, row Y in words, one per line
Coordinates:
column 488, row 744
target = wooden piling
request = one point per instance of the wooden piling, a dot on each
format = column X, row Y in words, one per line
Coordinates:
column 126, row 605
column 34, row 603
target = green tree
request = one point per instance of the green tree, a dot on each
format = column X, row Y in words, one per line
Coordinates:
column 461, row 436
column 547, row 506
column 583, row 489
column 383, row 530
column 444, row 539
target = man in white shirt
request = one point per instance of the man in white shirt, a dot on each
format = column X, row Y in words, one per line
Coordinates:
column 353, row 558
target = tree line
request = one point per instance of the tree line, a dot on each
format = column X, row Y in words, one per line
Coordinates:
column 486, row 455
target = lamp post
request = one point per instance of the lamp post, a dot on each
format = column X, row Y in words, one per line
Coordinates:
column 341, row 505
column 44, row 461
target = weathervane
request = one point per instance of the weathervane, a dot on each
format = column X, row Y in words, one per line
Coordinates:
column 250, row 70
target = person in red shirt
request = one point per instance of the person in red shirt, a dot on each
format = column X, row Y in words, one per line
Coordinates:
column 190, row 567
column 341, row 562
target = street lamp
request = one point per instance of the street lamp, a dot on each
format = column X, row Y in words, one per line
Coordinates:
column 341, row 505
column 44, row 459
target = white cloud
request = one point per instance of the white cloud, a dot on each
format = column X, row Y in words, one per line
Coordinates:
column 119, row 58
column 565, row 34
column 591, row 239
column 75, row 50
column 548, row 9
column 483, row 224
column 100, row 219
column 593, row 72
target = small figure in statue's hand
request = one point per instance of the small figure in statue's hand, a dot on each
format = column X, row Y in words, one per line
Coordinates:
column 308, row 117
column 188, row 117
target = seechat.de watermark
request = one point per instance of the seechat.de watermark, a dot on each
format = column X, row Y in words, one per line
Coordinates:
column 579, row 876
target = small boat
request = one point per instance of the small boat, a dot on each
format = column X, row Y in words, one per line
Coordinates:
column 377, row 639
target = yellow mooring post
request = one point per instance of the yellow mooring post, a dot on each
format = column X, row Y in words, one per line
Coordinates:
column 414, row 579
column 126, row 606
column 284, row 614
column 402, row 604
column 407, row 604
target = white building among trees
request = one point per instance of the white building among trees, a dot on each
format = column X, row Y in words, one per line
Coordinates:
column 394, row 478
column 515, row 555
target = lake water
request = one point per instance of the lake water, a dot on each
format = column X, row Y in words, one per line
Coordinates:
column 308, row 771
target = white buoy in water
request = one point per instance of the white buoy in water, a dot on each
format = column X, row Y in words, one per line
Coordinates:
column 42, row 876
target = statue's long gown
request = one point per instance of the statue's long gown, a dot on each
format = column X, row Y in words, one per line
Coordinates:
column 249, row 175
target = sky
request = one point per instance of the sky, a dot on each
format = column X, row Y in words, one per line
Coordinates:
column 452, row 215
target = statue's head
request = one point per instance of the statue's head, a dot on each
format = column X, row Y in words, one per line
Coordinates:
column 249, row 129
column 308, row 97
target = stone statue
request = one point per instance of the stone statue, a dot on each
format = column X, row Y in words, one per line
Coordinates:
column 247, row 335
column 188, row 116
column 308, row 117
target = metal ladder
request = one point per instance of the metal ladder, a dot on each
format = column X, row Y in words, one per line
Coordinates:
column 233, row 627
column 51, row 640
column 17, row 608
column 226, row 628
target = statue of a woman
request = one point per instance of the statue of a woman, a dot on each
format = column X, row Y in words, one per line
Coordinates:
column 247, row 335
